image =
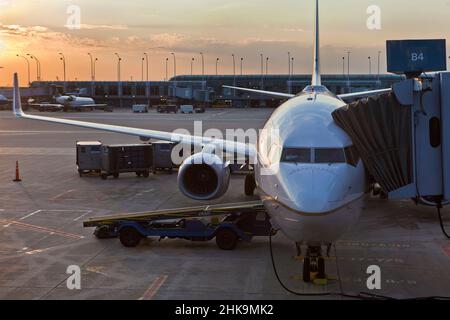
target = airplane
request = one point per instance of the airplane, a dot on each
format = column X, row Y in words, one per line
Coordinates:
column 73, row 102
column 67, row 102
column 317, row 190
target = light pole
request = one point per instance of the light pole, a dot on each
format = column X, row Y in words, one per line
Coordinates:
column 92, row 65
column 379, row 56
column 217, row 66
column 119, row 61
column 370, row 65
column 292, row 65
column 142, row 69
column 234, row 73
column 174, row 64
column 192, row 66
column 267, row 65
column 203, row 70
column 262, row 70
column 242, row 66
column 146, row 62
column 348, row 69
column 167, row 69
column 28, row 66
column 38, row 66
column 63, row 59
column 95, row 68
column 289, row 64
column 203, row 64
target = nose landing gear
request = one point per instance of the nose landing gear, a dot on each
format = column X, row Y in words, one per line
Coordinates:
column 314, row 265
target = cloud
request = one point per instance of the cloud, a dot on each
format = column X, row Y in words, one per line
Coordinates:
column 103, row 27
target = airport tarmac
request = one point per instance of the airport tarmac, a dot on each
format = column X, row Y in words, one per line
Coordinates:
column 41, row 231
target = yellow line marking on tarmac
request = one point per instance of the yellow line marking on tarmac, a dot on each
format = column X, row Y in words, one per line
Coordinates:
column 154, row 288
column 8, row 223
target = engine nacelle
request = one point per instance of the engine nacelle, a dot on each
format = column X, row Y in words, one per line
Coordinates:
column 204, row 176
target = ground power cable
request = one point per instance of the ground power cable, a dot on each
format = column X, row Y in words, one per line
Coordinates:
column 360, row 296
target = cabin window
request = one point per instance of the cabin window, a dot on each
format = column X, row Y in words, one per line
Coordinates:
column 329, row 156
column 295, row 155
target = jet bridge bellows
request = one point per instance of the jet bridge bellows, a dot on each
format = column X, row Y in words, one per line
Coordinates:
column 404, row 137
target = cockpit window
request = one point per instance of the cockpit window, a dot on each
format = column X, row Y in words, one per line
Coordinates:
column 329, row 156
column 296, row 155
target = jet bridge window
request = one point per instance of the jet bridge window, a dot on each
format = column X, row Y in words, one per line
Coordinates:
column 329, row 156
column 295, row 155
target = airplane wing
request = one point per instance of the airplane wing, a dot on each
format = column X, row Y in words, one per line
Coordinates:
column 363, row 94
column 227, row 146
column 267, row 93
column 347, row 96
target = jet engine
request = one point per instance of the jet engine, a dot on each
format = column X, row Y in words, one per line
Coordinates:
column 204, row 176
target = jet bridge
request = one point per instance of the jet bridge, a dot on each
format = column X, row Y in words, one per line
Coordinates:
column 403, row 137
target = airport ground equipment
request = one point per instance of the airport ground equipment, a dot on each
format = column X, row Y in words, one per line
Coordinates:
column 89, row 157
column 226, row 223
column 117, row 159
column 403, row 137
column 162, row 156
column 140, row 108
column 167, row 109
column 187, row 108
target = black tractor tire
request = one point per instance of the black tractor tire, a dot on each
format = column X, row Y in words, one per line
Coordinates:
column 307, row 270
column 321, row 268
column 130, row 237
column 227, row 239
column 102, row 232
column 250, row 185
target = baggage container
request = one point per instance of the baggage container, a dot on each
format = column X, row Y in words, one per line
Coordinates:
column 117, row 159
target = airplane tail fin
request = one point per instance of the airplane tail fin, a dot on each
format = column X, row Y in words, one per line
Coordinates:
column 17, row 104
column 316, row 77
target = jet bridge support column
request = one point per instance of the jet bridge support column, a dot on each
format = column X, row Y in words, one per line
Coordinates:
column 445, row 121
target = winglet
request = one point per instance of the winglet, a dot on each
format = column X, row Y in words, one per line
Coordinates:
column 17, row 104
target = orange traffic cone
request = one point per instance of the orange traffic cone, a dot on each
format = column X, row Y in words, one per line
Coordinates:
column 17, row 179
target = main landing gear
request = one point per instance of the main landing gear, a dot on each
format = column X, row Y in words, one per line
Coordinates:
column 314, row 264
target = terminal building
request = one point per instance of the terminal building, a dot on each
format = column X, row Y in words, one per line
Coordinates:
column 205, row 90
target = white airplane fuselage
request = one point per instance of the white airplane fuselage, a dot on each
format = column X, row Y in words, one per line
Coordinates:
column 311, row 191
column 73, row 101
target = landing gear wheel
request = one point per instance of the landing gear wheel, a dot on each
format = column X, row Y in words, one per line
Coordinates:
column 129, row 237
column 321, row 269
column 307, row 270
column 250, row 185
column 226, row 239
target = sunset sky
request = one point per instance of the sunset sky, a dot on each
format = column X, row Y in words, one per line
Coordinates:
column 218, row 28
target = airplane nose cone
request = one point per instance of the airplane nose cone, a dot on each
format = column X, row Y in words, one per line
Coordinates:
column 315, row 190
